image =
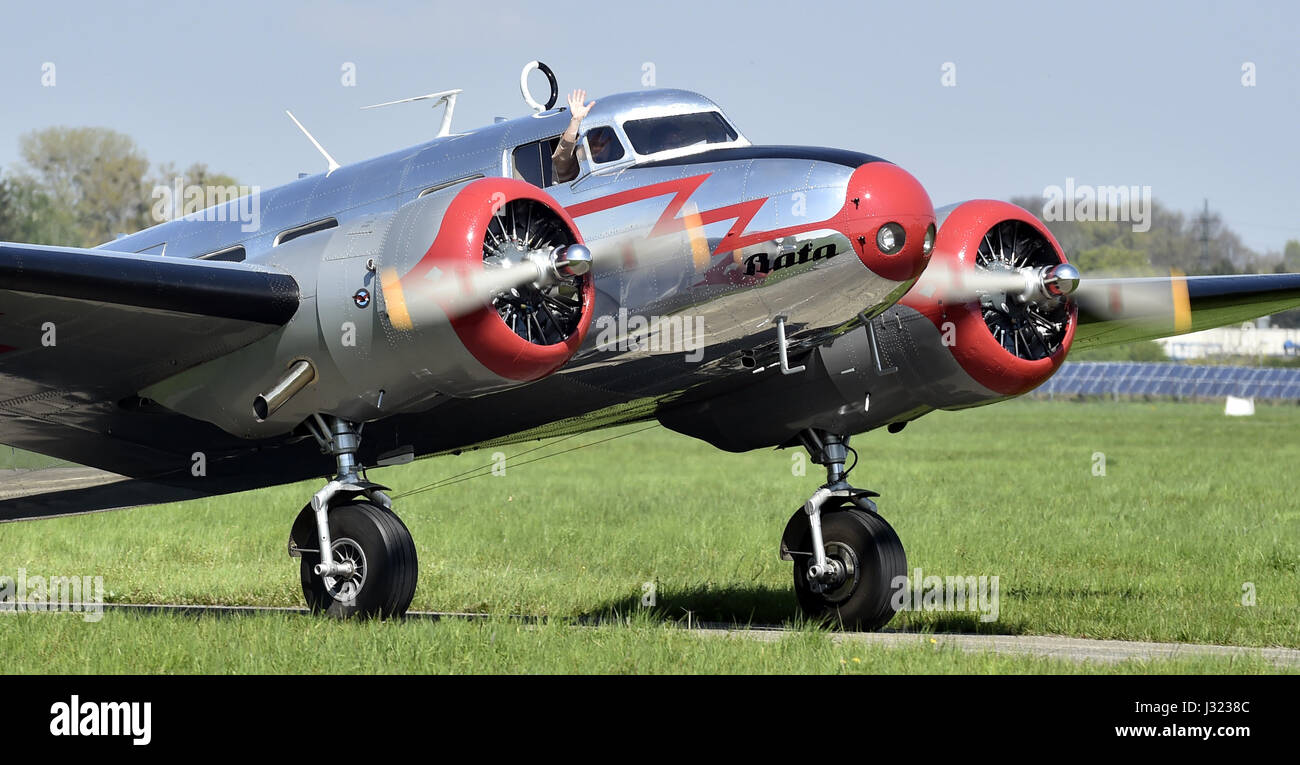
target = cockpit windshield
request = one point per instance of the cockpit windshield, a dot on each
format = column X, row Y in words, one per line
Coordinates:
column 656, row 134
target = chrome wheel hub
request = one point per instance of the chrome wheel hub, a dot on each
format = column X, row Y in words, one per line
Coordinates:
column 350, row 560
column 841, row 576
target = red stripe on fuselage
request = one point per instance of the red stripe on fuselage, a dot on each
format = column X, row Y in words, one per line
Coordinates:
column 683, row 189
column 898, row 196
column 670, row 221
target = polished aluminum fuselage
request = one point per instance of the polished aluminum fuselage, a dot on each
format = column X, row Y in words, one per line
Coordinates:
column 707, row 284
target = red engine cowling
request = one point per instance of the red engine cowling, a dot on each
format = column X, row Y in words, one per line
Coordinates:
column 1001, row 345
column 520, row 335
column 493, row 212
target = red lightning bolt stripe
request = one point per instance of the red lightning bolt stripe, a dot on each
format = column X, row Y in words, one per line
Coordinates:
column 669, row 222
column 682, row 188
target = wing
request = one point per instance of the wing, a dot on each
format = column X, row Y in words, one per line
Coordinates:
column 81, row 331
column 1115, row 311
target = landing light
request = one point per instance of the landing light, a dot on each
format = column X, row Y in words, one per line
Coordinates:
column 927, row 244
column 890, row 238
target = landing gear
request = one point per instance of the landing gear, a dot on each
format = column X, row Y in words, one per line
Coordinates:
column 374, row 564
column 357, row 557
column 848, row 562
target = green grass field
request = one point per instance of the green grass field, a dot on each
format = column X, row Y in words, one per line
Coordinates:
column 1195, row 510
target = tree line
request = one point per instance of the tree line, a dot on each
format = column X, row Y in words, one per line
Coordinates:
column 1200, row 243
column 1195, row 244
column 84, row 186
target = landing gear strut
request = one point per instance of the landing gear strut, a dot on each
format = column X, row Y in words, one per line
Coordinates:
column 848, row 562
column 357, row 557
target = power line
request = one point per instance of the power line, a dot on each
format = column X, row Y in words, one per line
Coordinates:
column 465, row 476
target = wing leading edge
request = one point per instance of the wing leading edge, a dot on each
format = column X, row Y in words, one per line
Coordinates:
column 1153, row 307
column 82, row 331
column 200, row 287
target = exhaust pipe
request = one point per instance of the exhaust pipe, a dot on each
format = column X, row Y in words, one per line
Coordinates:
column 297, row 378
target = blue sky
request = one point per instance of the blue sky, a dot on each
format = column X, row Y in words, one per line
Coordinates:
column 1109, row 93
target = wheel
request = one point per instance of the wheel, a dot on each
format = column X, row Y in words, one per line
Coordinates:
column 378, row 544
column 872, row 558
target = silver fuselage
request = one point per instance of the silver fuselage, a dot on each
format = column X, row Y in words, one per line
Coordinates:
column 745, row 190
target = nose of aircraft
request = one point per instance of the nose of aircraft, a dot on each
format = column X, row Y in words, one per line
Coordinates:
column 890, row 219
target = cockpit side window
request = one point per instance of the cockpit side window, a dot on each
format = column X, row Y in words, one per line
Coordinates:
column 535, row 162
column 532, row 161
column 656, row 134
column 604, row 145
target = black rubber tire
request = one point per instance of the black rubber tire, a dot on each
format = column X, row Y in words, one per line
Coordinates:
column 391, row 566
column 870, row 604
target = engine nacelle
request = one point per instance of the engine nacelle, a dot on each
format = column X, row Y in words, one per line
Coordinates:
column 923, row 354
column 360, row 351
column 423, row 348
column 1006, row 346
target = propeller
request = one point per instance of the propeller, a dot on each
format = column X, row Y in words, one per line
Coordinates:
column 517, row 276
column 1023, row 289
column 530, row 274
column 1126, row 299
column 1025, row 292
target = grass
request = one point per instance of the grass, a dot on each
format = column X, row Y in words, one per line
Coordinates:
column 1193, row 510
column 16, row 459
column 280, row 643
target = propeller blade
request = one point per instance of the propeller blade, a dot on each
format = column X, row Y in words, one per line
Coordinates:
column 637, row 249
column 1157, row 300
column 441, row 296
column 953, row 282
column 1160, row 300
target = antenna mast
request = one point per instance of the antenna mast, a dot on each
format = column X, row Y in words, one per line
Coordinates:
column 333, row 165
column 447, row 97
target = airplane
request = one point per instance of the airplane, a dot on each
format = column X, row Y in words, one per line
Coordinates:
column 453, row 295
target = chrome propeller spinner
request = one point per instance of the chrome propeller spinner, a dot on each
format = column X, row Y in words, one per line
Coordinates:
column 1026, row 306
column 544, row 306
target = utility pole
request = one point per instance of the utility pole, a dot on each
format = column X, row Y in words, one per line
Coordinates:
column 1205, row 235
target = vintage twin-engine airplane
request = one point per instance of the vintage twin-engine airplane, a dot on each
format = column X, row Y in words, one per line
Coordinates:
column 442, row 297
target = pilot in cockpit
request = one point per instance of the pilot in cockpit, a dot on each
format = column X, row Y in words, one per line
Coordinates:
column 601, row 141
column 563, row 161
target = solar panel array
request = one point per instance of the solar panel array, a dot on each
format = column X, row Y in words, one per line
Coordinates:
column 1122, row 378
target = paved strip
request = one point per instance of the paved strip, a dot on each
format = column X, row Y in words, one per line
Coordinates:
column 23, row 483
column 1073, row 649
column 1068, row 648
